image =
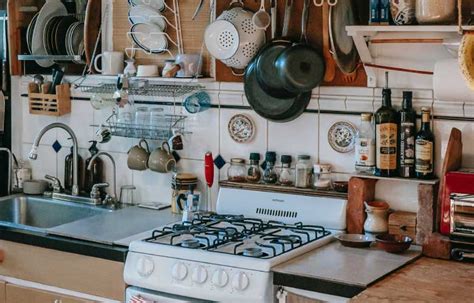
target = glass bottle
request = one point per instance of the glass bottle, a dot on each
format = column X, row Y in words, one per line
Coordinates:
column 424, row 148
column 365, row 145
column 95, row 174
column 237, row 171
column 386, row 132
column 254, row 172
column 322, row 178
column 407, row 132
column 303, row 171
column 286, row 175
column 269, row 175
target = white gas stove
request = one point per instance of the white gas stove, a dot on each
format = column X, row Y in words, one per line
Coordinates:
column 228, row 256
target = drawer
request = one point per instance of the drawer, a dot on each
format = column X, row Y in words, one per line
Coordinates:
column 16, row 294
column 94, row 276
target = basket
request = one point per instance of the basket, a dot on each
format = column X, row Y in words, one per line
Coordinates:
column 48, row 104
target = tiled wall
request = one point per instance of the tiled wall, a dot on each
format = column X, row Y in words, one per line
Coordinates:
column 305, row 135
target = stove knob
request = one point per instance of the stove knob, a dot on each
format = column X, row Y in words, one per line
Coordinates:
column 179, row 271
column 145, row 266
column 220, row 278
column 240, row 281
column 199, row 275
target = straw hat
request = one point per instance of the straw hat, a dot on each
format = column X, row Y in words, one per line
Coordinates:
column 466, row 58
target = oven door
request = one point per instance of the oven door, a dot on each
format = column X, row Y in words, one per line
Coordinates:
column 140, row 295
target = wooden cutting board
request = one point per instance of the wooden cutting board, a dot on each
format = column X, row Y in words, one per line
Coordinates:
column 92, row 25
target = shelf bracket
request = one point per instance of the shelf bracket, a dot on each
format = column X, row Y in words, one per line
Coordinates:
column 365, row 55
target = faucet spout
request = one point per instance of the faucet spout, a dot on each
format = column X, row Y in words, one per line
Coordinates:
column 75, row 158
column 10, row 160
column 89, row 167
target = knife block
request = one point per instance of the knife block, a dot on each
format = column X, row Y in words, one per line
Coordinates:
column 49, row 104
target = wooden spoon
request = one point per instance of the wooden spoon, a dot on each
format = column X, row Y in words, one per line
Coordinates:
column 330, row 73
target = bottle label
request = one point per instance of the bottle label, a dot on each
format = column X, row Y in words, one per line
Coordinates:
column 424, row 156
column 386, row 136
column 365, row 152
column 407, row 144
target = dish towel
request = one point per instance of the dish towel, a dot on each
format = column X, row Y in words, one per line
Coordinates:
column 139, row 299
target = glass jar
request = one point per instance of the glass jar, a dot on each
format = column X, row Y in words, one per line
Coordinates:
column 270, row 175
column 435, row 11
column 254, row 173
column 303, row 171
column 286, row 175
column 237, row 171
column 322, row 178
column 403, row 11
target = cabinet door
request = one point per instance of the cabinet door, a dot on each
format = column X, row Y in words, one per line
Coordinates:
column 292, row 298
column 2, row 291
column 16, row 294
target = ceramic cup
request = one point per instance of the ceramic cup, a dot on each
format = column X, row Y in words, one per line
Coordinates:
column 191, row 65
column 147, row 71
column 176, row 141
column 138, row 156
column 112, row 63
column 161, row 159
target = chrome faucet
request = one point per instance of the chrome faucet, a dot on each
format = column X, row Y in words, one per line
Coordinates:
column 10, row 159
column 34, row 152
column 112, row 199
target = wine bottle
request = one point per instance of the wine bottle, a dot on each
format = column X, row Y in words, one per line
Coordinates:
column 386, row 133
column 424, row 148
column 407, row 133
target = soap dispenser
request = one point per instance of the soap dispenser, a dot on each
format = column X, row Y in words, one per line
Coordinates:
column 69, row 170
column 95, row 174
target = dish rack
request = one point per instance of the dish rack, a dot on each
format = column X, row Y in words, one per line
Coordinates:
column 164, row 127
column 174, row 24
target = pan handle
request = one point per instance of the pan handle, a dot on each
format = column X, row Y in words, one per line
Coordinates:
column 237, row 74
column 304, row 21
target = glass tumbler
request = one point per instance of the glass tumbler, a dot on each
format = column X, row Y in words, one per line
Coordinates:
column 156, row 122
column 140, row 123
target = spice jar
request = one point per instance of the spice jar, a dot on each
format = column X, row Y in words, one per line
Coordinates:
column 254, row 173
column 435, row 11
column 303, row 172
column 322, row 176
column 286, row 176
column 237, row 170
column 181, row 184
column 269, row 175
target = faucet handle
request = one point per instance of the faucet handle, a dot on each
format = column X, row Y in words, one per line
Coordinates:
column 57, row 188
column 95, row 192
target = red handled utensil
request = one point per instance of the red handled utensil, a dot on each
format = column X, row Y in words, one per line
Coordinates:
column 209, row 173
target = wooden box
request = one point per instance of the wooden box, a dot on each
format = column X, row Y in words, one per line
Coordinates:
column 402, row 223
column 47, row 104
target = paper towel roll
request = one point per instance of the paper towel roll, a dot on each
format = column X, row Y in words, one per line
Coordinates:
column 449, row 83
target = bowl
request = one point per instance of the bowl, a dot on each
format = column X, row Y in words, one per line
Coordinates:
column 341, row 186
column 35, row 187
column 393, row 243
column 355, row 240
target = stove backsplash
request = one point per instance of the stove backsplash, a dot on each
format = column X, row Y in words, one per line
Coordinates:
column 305, row 135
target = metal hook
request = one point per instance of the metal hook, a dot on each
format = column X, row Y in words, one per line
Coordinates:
column 345, row 103
column 464, row 109
column 332, row 2
column 316, row 3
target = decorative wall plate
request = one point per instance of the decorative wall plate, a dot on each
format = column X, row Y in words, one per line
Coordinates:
column 341, row 137
column 241, row 128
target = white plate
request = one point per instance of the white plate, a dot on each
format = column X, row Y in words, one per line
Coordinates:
column 29, row 32
column 341, row 136
column 156, row 4
column 221, row 39
column 146, row 14
column 50, row 9
column 148, row 37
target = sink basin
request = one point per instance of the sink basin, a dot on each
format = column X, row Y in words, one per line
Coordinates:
column 39, row 214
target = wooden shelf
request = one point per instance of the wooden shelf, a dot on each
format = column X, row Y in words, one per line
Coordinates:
column 284, row 189
column 361, row 29
column 396, row 179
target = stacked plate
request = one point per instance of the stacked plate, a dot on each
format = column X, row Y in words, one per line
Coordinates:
column 148, row 25
column 53, row 32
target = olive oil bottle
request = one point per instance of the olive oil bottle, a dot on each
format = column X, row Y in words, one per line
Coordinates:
column 407, row 133
column 386, row 135
column 424, row 148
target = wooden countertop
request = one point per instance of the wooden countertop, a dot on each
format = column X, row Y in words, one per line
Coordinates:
column 425, row 280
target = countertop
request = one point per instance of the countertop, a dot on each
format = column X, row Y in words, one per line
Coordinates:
column 338, row 270
column 425, row 280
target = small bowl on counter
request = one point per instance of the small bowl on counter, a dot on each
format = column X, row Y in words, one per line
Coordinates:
column 393, row 243
column 355, row 240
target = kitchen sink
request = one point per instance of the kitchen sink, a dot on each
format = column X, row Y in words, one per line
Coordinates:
column 39, row 214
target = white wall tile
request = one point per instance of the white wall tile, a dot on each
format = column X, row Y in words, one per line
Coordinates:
column 203, row 136
column 153, row 187
column 32, row 124
column 80, row 120
column 46, row 162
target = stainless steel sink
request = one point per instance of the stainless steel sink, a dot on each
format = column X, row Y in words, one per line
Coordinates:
column 39, row 214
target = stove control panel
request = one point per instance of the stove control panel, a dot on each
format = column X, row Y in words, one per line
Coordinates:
column 199, row 274
column 240, row 281
column 220, row 278
column 179, row 271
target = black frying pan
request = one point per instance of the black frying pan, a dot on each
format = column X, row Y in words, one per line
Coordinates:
column 300, row 67
column 277, row 109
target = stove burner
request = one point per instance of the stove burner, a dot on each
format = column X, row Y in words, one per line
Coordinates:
column 190, row 243
column 253, row 252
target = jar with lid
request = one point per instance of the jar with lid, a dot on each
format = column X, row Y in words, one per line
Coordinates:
column 269, row 175
column 303, row 171
column 254, row 173
column 436, row 11
column 237, row 171
column 322, row 176
column 286, row 175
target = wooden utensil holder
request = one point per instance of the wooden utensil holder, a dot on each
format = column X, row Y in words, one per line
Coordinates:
column 49, row 104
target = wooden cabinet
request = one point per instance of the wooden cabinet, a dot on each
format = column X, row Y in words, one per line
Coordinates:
column 2, row 291
column 16, row 294
column 293, row 298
